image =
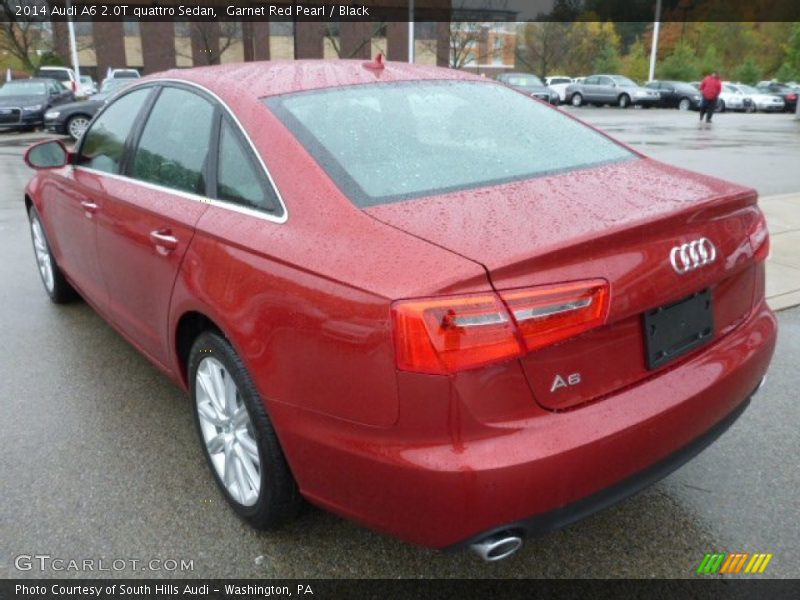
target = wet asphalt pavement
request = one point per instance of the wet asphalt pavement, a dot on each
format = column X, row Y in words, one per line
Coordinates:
column 100, row 457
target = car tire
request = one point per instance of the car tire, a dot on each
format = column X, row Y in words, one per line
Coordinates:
column 237, row 436
column 684, row 104
column 624, row 101
column 55, row 284
column 720, row 106
column 576, row 100
column 76, row 125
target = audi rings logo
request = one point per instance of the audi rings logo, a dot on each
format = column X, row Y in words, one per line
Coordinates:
column 692, row 255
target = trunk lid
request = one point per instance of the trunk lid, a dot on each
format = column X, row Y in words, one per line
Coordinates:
column 618, row 222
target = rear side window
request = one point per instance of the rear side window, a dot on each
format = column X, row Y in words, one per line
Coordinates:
column 387, row 142
column 104, row 142
column 238, row 177
column 173, row 148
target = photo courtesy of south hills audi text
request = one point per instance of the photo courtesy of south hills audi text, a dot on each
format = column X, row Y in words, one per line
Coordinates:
column 122, row 590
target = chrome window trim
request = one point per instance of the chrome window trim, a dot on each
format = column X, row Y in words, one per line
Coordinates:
column 188, row 195
column 253, row 212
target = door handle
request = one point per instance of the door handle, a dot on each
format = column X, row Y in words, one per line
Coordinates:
column 89, row 208
column 163, row 240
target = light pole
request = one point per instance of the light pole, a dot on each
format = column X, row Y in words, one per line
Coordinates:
column 73, row 48
column 410, row 31
column 654, row 49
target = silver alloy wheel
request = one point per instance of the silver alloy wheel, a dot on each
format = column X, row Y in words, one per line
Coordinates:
column 684, row 104
column 227, row 431
column 577, row 100
column 624, row 100
column 77, row 125
column 42, row 253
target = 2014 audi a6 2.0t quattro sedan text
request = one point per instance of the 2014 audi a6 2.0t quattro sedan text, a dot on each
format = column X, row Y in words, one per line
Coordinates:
column 386, row 297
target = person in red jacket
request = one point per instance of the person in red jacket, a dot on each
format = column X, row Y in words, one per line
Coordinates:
column 710, row 87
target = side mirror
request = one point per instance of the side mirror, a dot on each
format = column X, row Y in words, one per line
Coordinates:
column 49, row 154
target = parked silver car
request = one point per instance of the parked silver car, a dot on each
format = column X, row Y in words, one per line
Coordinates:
column 610, row 89
column 761, row 101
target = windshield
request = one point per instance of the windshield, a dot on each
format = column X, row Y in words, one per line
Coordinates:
column 620, row 80
column 23, row 88
column 388, row 142
column 523, row 80
column 126, row 75
column 748, row 89
column 560, row 80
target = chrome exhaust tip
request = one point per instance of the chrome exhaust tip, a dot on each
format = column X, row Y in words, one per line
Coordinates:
column 497, row 546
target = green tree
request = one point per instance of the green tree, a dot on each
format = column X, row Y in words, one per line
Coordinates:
column 636, row 63
column 790, row 68
column 710, row 61
column 608, row 60
column 748, row 72
column 681, row 64
column 544, row 46
column 587, row 42
column 786, row 73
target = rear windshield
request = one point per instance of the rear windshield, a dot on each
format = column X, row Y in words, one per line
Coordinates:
column 388, row 142
column 56, row 74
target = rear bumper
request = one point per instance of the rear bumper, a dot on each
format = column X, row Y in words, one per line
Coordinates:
column 567, row 515
column 536, row 473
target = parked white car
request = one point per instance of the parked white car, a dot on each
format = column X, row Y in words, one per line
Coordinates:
column 88, row 86
column 64, row 75
column 558, row 83
column 731, row 99
column 761, row 101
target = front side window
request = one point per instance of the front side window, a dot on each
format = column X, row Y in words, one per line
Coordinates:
column 104, row 142
column 386, row 142
column 238, row 179
column 173, row 148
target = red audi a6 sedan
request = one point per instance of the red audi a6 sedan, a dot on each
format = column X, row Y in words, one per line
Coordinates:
column 412, row 296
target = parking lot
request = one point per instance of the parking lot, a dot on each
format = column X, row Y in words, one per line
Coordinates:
column 101, row 458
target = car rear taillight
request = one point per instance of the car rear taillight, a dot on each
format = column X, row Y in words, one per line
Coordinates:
column 449, row 334
column 791, row 96
column 548, row 315
column 759, row 238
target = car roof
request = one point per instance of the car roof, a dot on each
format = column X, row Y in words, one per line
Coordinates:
column 35, row 80
column 272, row 78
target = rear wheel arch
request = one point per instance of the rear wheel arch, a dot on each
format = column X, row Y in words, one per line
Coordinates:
column 189, row 327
